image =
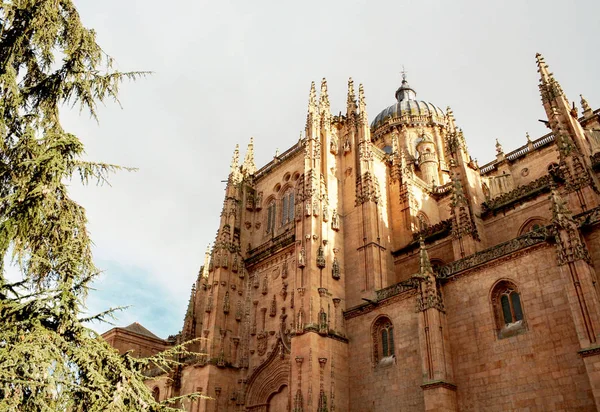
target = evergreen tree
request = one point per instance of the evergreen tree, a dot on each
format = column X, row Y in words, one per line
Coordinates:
column 49, row 359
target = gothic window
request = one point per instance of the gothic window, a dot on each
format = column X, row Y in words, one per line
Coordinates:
column 532, row 224
column 383, row 342
column 156, row 393
column 271, row 217
column 423, row 221
column 287, row 207
column 508, row 311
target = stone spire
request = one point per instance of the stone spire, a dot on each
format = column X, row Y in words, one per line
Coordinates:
column 249, row 167
column 312, row 99
column 189, row 321
column 587, row 110
column 351, row 100
column 234, row 168
column 324, row 106
column 548, row 85
column 324, row 97
column 562, row 118
column 206, row 262
column 451, row 120
column 362, row 105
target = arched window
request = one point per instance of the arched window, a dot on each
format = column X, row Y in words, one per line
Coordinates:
column 383, row 342
column 532, row 224
column 508, row 310
column 287, row 207
column 271, row 217
column 423, row 221
column 156, row 393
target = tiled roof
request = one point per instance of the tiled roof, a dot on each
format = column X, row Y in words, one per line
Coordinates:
column 140, row 330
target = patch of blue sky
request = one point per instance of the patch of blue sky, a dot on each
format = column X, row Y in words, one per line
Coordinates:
column 125, row 285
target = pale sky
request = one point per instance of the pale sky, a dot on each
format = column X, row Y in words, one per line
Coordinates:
column 228, row 70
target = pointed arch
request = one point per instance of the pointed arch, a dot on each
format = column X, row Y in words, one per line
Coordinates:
column 271, row 214
column 532, row 223
column 287, row 196
column 382, row 333
column 268, row 379
column 507, row 307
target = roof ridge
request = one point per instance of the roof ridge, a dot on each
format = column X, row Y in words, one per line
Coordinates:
column 139, row 329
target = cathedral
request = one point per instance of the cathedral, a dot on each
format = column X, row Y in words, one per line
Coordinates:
column 375, row 266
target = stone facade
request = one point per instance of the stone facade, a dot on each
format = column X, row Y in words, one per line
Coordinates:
column 376, row 266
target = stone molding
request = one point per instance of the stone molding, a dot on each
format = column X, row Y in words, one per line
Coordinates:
column 268, row 378
column 495, row 252
column 438, row 384
column 591, row 351
column 516, row 196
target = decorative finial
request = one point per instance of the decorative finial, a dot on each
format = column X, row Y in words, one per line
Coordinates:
column 235, row 160
column 405, row 92
column 585, row 106
column 450, row 117
column 498, row 147
column 312, row 98
column 542, row 67
column 206, row 261
column 351, row 100
column 362, row 104
column 528, row 137
column 548, row 85
column 361, row 96
column 249, row 167
column 324, row 97
column 277, row 152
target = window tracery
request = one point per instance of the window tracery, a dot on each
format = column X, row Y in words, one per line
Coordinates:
column 270, row 227
column 508, row 310
column 287, row 207
column 383, row 342
column 536, row 223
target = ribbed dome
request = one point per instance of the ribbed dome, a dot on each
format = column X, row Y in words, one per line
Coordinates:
column 407, row 105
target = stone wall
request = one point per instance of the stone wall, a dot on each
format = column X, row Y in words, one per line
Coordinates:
column 386, row 387
column 538, row 369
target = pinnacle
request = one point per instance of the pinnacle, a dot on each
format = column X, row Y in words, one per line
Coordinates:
column 249, row 167
column 351, row 100
column 545, row 74
column 235, row 159
column 324, row 97
column 584, row 104
column 362, row 104
column 312, row 98
column 450, row 116
column 361, row 94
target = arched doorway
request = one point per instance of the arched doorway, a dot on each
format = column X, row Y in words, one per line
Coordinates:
column 268, row 386
column 279, row 401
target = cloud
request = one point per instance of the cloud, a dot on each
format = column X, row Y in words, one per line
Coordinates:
column 123, row 285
